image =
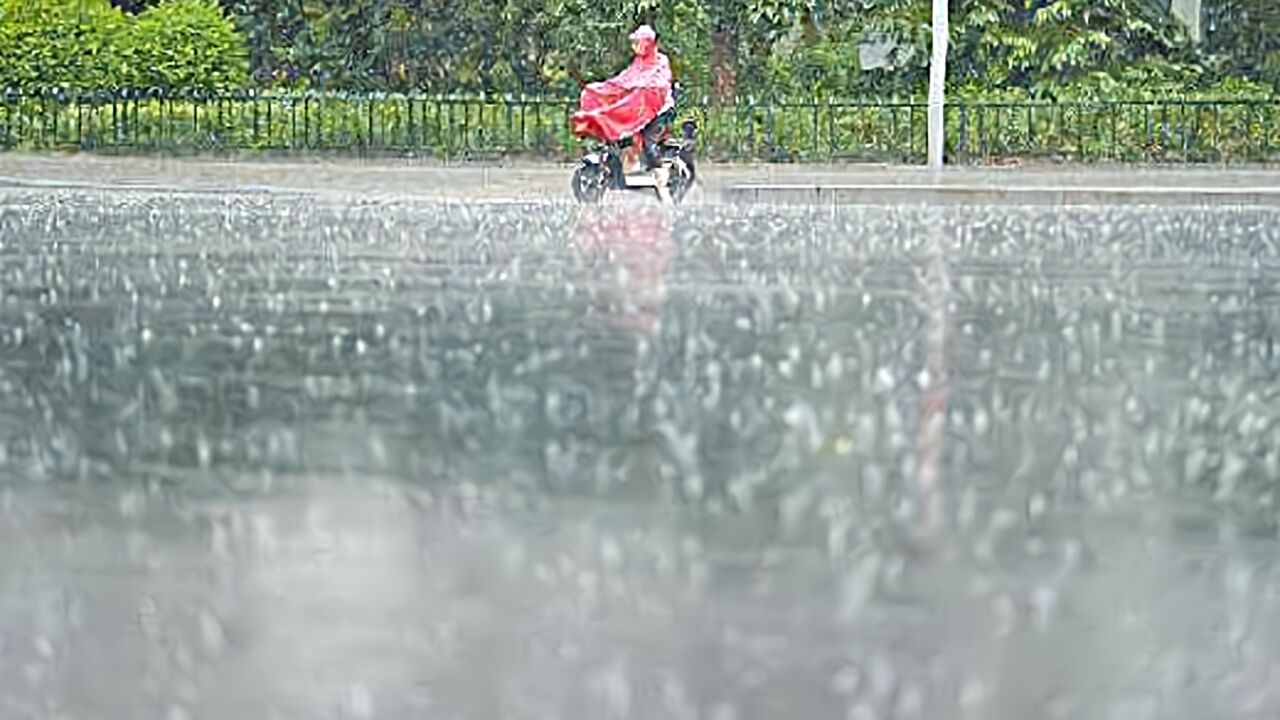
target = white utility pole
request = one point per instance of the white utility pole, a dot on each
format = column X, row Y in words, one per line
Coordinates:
column 937, row 83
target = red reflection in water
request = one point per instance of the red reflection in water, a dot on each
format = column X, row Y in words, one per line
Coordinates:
column 635, row 248
column 931, row 434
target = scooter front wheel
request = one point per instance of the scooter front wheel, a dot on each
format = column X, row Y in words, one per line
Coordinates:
column 588, row 184
column 680, row 181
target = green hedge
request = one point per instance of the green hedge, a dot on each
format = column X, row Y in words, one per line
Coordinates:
column 1194, row 129
column 90, row 44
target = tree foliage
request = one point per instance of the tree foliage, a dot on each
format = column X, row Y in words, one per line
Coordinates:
column 748, row 48
column 495, row 45
column 1049, row 44
column 1243, row 39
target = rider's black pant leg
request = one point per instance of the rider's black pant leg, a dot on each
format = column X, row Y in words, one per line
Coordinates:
column 651, row 133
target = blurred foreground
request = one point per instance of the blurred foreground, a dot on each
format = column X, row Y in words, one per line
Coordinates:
column 298, row 457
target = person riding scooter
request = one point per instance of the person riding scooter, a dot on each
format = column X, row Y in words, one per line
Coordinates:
column 638, row 103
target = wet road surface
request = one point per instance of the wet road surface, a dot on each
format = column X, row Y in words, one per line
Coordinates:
column 541, row 181
column 300, row 457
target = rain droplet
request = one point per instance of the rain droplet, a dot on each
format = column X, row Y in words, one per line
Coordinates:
column 212, row 634
column 360, row 702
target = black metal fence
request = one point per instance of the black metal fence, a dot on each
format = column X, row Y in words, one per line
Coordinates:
column 1176, row 131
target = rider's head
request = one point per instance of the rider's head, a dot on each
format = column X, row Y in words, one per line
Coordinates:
column 644, row 41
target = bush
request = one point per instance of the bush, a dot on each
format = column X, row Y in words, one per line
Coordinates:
column 183, row 44
column 89, row 44
column 58, row 42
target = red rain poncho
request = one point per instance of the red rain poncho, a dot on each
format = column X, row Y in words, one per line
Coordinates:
column 622, row 105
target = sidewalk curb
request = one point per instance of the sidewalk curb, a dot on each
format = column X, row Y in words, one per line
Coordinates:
column 897, row 194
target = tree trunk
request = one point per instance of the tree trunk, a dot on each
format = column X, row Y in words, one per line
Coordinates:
column 724, row 64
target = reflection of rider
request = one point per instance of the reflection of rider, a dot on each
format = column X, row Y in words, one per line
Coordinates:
column 932, row 432
column 635, row 248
